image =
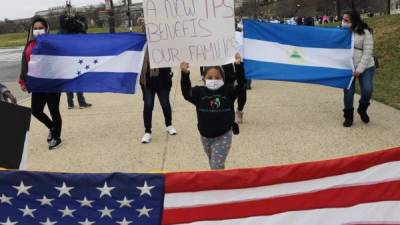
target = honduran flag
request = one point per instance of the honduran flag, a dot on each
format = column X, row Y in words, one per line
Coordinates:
column 298, row 54
column 86, row 63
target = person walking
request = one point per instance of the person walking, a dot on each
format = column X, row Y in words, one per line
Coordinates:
column 152, row 82
column 6, row 96
column 215, row 110
column 39, row 27
column 364, row 64
column 232, row 73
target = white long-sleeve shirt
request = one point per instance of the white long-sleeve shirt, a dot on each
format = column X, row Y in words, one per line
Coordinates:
column 363, row 51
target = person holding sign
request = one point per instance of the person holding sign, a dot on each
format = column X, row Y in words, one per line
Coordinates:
column 230, row 78
column 215, row 110
column 39, row 100
column 156, row 81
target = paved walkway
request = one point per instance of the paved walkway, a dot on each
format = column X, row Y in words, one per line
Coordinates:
column 284, row 123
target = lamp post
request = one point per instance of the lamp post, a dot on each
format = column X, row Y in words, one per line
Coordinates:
column 339, row 9
column 129, row 15
column 111, row 19
column 255, row 9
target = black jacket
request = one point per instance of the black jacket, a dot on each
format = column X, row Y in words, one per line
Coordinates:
column 215, row 108
column 162, row 81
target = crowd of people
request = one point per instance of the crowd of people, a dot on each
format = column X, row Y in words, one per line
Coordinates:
column 214, row 101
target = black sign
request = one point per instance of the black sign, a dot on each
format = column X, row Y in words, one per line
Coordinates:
column 14, row 124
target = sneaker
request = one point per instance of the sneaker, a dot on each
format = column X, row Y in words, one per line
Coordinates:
column 54, row 143
column 146, row 138
column 50, row 136
column 71, row 106
column 239, row 116
column 171, row 130
column 85, row 106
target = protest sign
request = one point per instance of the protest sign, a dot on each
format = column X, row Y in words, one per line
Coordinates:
column 239, row 42
column 201, row 32
column 14, row 123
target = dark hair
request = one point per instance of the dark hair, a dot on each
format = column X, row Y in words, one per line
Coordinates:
column 208, row 68
column 35, row 20
column 40, row 19
column 357, row 24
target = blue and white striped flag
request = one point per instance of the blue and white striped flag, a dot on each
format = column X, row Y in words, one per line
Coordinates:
column 86, row 63
column 298, row 54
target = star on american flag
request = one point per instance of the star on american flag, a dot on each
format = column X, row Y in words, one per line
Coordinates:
column 60, row 199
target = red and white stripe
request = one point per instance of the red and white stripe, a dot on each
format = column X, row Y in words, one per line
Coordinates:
column 356, row 190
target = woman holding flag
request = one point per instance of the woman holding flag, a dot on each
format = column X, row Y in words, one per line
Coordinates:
column 364, row 64
column 39, row 27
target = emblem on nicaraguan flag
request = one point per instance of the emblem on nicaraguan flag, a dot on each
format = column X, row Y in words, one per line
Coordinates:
column 86, row 63
column 298, row 54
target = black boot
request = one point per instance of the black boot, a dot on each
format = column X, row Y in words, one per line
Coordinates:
column 362, row 110
column 349, row 116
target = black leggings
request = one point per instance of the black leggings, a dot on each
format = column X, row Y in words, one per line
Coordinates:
column 39, row 100
column 242, row 98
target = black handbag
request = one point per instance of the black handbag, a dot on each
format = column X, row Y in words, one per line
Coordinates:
column 376, row 60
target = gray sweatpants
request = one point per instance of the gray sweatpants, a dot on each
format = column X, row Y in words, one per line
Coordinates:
column 217, row 150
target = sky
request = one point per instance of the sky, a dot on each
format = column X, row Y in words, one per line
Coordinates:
column 17, row 9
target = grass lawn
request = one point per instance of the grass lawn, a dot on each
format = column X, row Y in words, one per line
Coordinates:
column 387, row 49
column 12, row 40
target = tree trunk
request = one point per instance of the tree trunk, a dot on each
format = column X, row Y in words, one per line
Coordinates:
column 339, row 9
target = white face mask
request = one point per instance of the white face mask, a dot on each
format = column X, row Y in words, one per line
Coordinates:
column 37, row 33
column 346, row 25
column 214, row 84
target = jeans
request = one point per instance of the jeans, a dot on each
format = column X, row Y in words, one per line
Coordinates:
column 148, row 98
column 366, row 86
column 81, row 99
column 39, row 100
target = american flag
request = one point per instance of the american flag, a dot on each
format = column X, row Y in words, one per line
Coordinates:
column 357, row 190
column 82, row 199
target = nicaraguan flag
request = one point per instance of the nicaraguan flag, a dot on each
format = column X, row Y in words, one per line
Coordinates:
column 298, row 54
column 86, row 63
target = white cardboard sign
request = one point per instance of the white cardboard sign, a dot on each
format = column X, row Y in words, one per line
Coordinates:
column 200, row 32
